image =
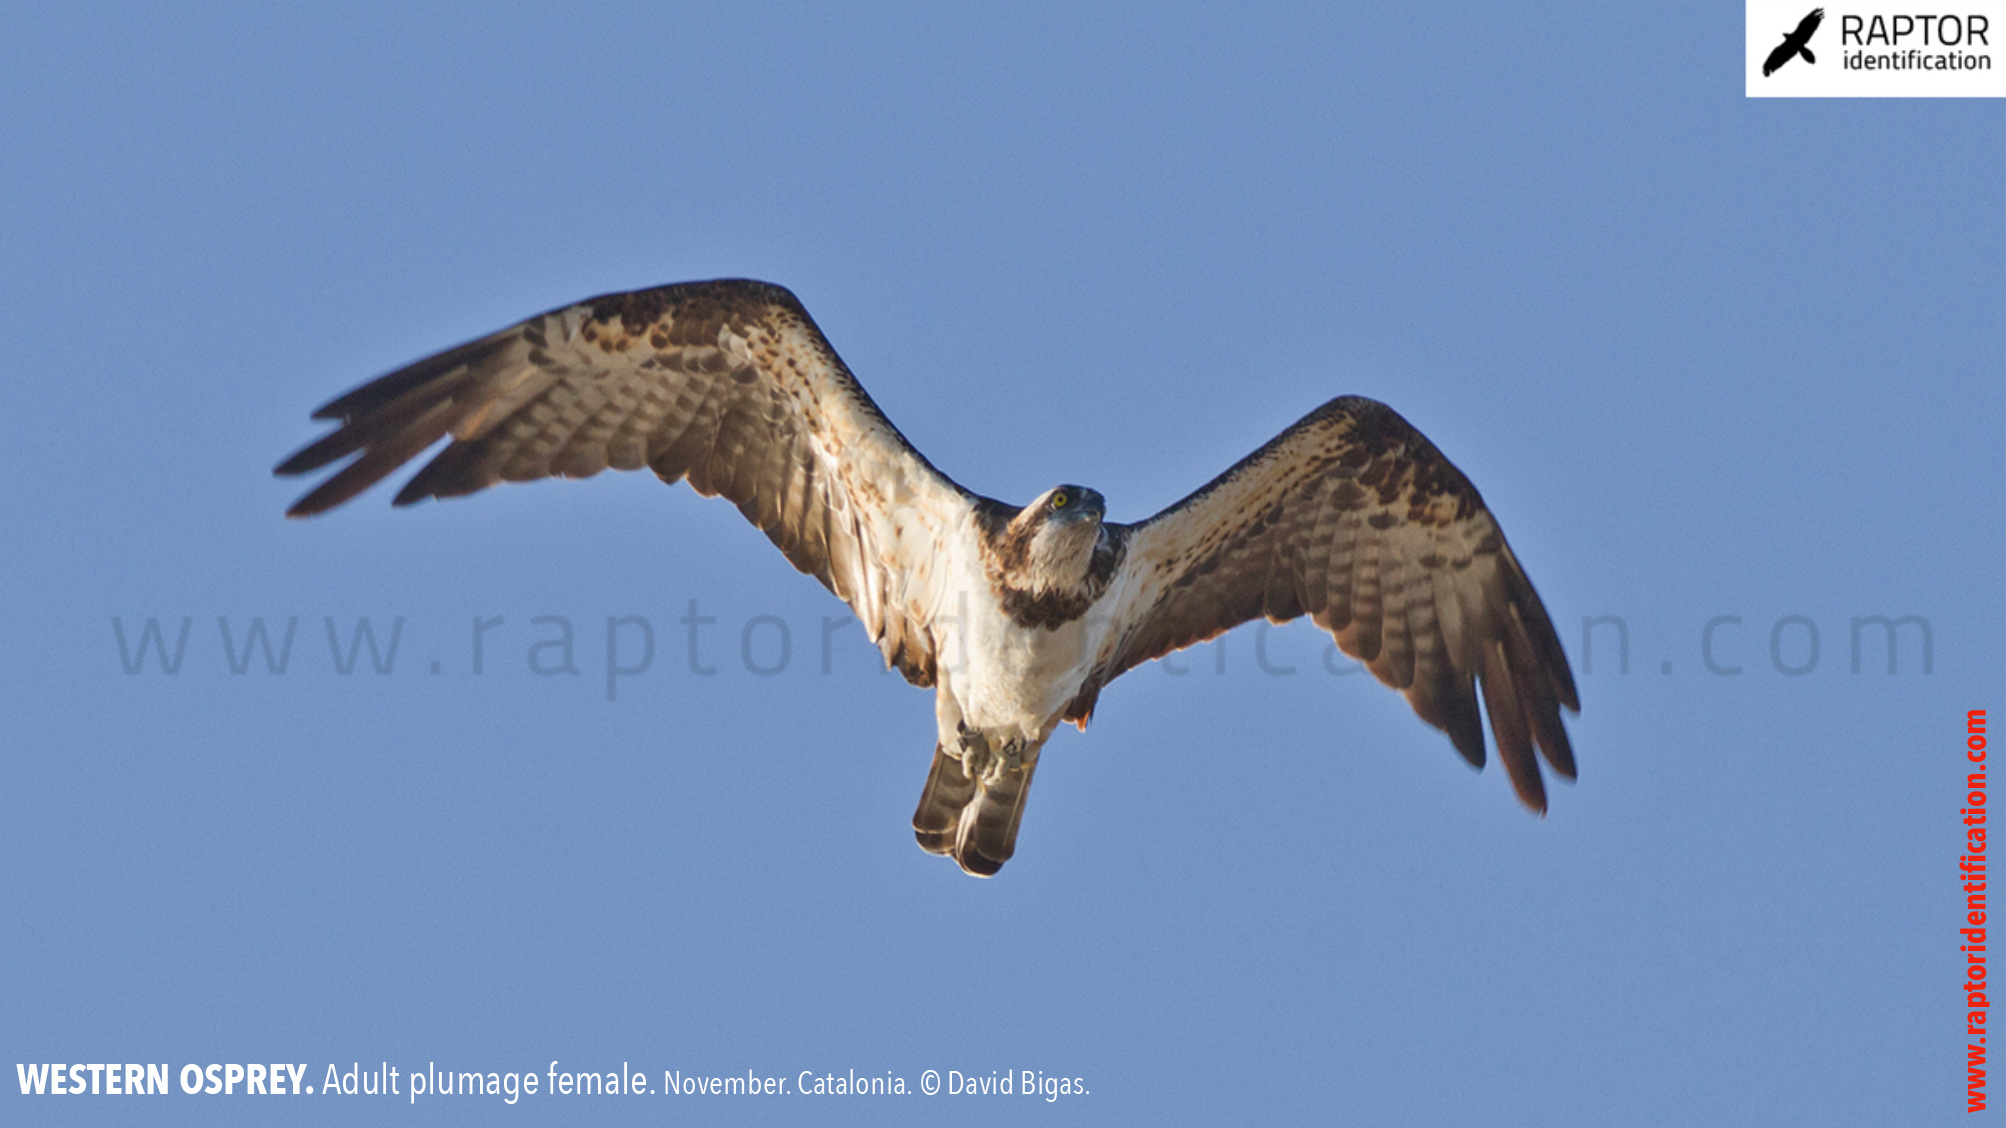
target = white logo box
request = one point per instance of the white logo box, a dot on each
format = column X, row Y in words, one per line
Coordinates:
column 1917, row 49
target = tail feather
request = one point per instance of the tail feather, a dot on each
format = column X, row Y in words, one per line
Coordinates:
column 948, row 789
column 989, row 824
column 975, row 822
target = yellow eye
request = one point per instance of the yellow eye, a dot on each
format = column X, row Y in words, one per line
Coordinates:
column 1059, row 500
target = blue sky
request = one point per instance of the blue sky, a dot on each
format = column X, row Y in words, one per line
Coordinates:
column 1710, row 360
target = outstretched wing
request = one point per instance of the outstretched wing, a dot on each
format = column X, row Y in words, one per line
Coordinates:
column 1354, row 518
column 727, row 383
column 1808, row 25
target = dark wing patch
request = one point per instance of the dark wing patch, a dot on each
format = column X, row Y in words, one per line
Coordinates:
column 1352, row 517
column 727, row 383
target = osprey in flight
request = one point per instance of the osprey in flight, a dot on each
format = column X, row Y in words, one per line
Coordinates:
column 1016, row 615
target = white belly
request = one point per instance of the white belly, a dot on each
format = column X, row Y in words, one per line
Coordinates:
column 1008, row 678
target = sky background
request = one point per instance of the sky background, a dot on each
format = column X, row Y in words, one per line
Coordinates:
column 1704, row 356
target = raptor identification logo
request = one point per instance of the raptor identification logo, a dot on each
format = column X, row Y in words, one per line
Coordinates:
column 1883, row 49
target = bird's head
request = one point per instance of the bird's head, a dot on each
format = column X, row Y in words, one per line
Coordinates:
column 1067, row 503
column 1059, row 532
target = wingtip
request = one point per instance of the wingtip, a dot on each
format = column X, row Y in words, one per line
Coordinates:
column 313, row 503
column 1531, row 792
column 327, row 495
column 309, row 457
column 1527, row 782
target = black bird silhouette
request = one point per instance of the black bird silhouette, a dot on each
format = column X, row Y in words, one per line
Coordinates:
column 1794, row 44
